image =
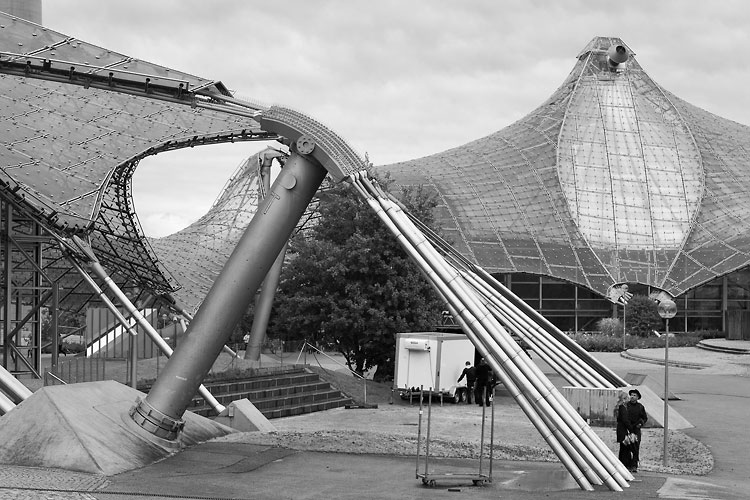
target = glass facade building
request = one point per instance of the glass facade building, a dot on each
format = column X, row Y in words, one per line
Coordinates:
column 574, row 308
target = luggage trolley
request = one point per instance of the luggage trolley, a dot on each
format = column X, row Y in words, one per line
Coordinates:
column 430, row 478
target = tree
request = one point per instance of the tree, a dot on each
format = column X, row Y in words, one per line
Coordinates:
column 642, row 316
column 349, row 283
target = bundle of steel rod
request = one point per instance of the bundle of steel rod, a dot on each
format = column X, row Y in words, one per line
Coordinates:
column 585, row 456
column 12, row 391
column 540, row 333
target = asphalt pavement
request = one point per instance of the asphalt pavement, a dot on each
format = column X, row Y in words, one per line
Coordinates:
column 714, row 392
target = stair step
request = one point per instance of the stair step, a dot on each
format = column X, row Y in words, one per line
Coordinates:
column 303, row 409
column 293, row 392
column 271, row 393
column 258, row 385
column 270, row 403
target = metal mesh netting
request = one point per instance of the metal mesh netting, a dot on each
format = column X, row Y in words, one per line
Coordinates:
column 612, row 179
column 195, row 255
column 76, row 119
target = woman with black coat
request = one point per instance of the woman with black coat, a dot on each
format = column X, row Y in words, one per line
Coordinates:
column 623, row 428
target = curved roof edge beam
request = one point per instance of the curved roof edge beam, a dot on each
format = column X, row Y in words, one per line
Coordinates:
column 313, row 139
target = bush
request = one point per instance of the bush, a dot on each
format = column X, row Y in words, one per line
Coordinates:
column 642, row 316
column 600, row 342
column 73, row 347
column 609, row 326
column 710, row 334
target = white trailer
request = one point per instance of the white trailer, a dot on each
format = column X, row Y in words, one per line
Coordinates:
column 432, row 361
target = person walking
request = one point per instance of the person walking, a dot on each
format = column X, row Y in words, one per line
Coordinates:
column 483, row 387
column 623, row 429
column 470, row 372
column 637, row 417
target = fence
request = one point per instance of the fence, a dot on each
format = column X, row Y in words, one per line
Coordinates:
column 76, row 370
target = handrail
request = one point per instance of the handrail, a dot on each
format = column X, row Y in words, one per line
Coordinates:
column 49, row 373
column 364, row 380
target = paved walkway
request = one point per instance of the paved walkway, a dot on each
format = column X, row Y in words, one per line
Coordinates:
column 715, row 397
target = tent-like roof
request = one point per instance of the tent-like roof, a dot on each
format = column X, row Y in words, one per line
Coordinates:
column 77, row 118
column 612, row 179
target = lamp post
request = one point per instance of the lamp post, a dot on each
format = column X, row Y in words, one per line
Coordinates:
column 667, row 310
column 624, row 318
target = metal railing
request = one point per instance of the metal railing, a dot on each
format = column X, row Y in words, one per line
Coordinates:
column 78, row 369
column 364, row 380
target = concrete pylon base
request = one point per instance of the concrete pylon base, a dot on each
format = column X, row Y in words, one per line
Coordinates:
column 242, row 415
column 85, row 427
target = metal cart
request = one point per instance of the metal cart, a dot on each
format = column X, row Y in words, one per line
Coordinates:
column 431, row 478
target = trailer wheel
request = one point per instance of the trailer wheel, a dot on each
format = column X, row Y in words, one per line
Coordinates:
column 458, row 397
column 461, row 395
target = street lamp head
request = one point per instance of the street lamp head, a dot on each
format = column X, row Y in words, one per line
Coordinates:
column 667, row 309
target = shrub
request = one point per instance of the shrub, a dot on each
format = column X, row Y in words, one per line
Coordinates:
column 73, row 347
column 710, row 334
column 610, row 326
column 642, row 316
column 600, row 342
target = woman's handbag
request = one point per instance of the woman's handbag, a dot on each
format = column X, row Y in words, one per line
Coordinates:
column 630, row 438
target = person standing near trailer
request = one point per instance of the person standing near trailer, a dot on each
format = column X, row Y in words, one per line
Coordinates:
column 483, row 390
column 470, row 372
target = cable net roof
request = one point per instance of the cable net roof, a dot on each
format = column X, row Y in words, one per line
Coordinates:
column 612, row 179
column 195, row 255
column 76, row 121
column 77, row 118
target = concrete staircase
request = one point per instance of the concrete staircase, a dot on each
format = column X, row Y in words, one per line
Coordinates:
column 275, row 392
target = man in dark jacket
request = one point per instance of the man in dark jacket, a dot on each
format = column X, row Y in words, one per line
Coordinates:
column 637, row 417
column 470, row 373
column 483, row 391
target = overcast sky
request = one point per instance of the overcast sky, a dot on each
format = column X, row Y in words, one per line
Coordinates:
column 399, row 79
